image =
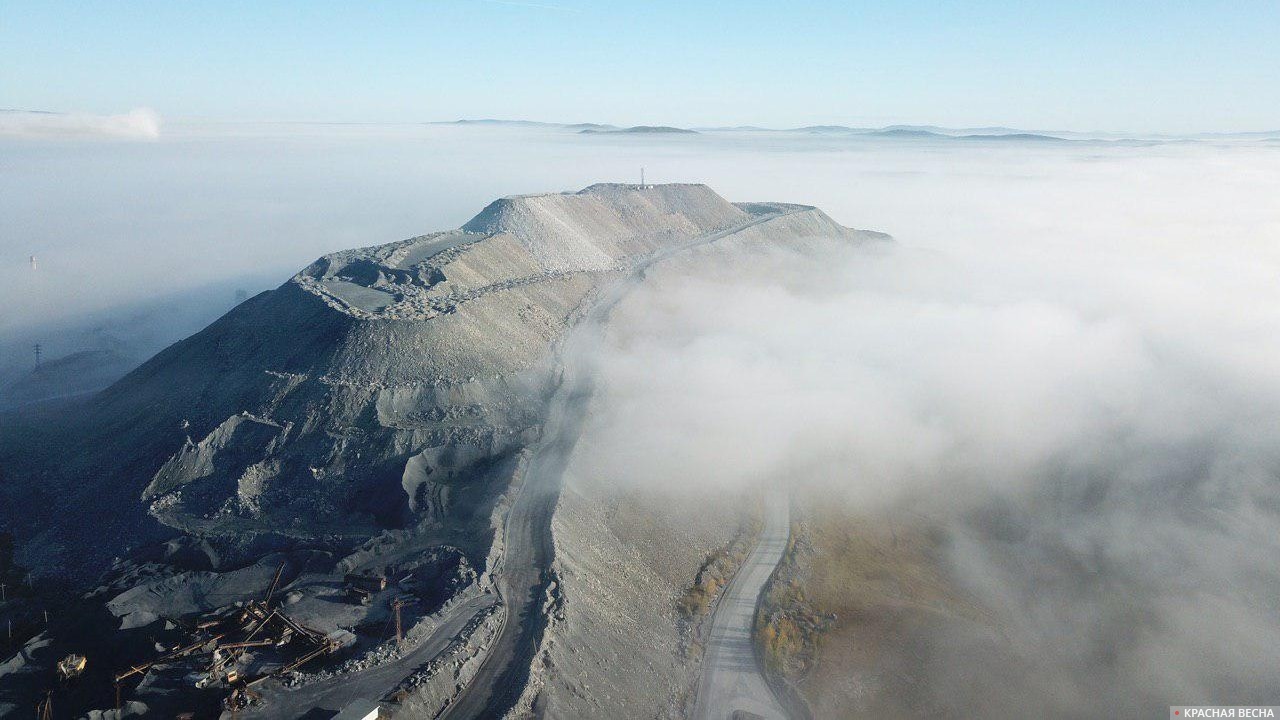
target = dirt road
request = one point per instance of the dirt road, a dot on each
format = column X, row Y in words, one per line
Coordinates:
column 334, row 693
column 524, row 575
column 732, row 680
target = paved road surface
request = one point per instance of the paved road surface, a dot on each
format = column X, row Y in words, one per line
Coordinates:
column 731, row 676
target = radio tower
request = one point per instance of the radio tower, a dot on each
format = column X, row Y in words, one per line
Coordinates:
column 37, row 354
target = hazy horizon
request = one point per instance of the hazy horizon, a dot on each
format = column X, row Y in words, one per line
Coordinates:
column 266, row 190
column 1202, row 67
column 144, row 123
column 553, row 358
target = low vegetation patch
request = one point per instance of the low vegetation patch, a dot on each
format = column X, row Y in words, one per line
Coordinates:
column 716, row 572
column 788, row 625
column 846, row 591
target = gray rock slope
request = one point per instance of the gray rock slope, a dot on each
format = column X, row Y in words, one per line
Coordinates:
column 625, row 555
column 385, row 387
column 372, row 413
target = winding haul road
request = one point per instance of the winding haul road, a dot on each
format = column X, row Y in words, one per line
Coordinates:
column 334, row 693
column 732, row 680
column 524, row 573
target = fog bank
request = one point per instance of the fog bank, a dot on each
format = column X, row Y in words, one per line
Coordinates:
column 139, row 123
column 1070, row 364
column 1070, row 359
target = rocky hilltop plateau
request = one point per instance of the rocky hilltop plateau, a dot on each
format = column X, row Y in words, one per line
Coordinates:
column 375, row 416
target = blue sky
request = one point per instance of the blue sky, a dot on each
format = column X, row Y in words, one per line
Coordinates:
column 1150, row 66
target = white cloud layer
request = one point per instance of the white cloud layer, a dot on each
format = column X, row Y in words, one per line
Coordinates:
column 139, row 123
column 1072, row 359
column 1073, row 367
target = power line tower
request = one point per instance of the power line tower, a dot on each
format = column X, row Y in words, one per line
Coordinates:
column 396, row 605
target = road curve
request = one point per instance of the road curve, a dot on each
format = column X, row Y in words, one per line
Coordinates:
column 334, row 693
column 524, row 575
column 732, row 679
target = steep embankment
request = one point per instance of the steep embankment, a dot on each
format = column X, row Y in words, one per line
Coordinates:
column 379, row 406
column 624, row 557
column 383, row 387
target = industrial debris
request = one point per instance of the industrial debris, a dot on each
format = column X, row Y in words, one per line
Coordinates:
column 71, row 666
column 361, row 588
column 238, row 648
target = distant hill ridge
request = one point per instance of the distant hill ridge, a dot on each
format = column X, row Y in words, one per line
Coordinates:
column 643, row 129
column 923, row 132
